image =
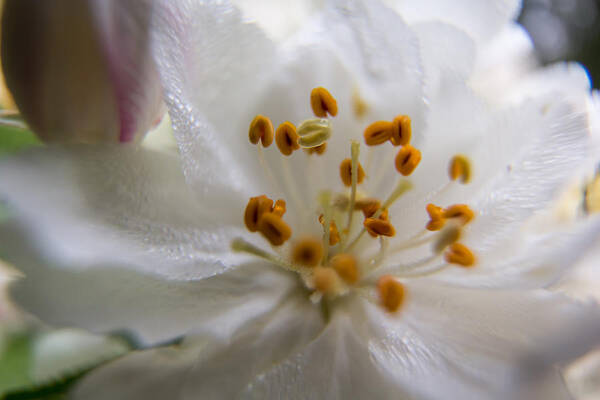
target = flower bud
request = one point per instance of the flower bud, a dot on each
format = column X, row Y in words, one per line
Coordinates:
column 81, row 71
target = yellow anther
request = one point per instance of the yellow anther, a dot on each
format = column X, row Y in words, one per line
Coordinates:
column 379, row 227
column 402, row 132
column 346, row 267
column 346, row 172
column 368, row 206
column 446, row 238
column 279, row 207
column 334, row 234
column 460, row 168
column 261, row 129
column 407, row 160
column 459, row 254
column 592, row 195
column 274, row 229
column 436, row 215
column 461, row 212
column 322, row 102
column 307, row 251
column 325, row 280
column 391, row 293
column 255, row 209
column 314, row 132
column 319, row 150
column 359, row 105
column 286, row 138
column 378, row 133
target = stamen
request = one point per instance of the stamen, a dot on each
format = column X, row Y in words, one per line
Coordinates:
column 274, row 229
column 436, row 214
column 346, row 268
column 257, row 206
column 279, row 207
column 407, row 160
column 307, row 251
column 261, row 129
column 355, row 178
column 322, row 102
column 346, row 172
column 241, row 246
column 402, row 131
column 460, row 168
column 314, row 132
column 378, row 133
column 459, row 211
column 446, row 238
column 325, row 200
column 318, row 149
column 359, row 105
column 334, row 234
column 379, row 227
column 286, row 138
column 391, row 293
column 459, row 254
column 368, row 206
column 402, row 187
column 325, row 280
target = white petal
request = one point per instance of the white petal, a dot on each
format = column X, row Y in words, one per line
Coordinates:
column 336, row 365
column 445, row 50
column 106, row 298
column 480, row 19
column 217, row 369
column 475, row 343
column 278, row 18
column 121, row 206
column 508, row 58
column 212, row 65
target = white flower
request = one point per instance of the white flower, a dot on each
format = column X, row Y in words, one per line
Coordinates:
column 122, row 239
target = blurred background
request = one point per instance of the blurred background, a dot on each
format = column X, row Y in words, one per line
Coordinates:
column 565, row 30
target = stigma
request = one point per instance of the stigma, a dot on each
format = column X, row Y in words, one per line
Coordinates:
column 351, row 221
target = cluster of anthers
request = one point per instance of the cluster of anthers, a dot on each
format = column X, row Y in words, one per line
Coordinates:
column 327, row 265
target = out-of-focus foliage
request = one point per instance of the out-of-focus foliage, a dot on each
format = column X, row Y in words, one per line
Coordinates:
column 565, row 30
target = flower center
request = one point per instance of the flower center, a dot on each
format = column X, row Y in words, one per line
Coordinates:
column 330, row 265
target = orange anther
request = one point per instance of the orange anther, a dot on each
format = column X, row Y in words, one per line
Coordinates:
column 334, row 234
column 368, row 206
column 274, row 229
column 402, row 132
column 391, row 293
column 279, row 207
column 378, row 132
column 407, row 160
column 346, row 172
column 436, row 214
column 322, row 102
column 320, row 149
column 377, row 227
column 307, row 251
column 459, row 254
column 256, row 207
column 261, row 129
column 460, row 168
column 286, row 138
column 459, row 211
column 346, row 268
column 325, row 279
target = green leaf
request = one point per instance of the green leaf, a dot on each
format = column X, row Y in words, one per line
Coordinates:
column 15, row 362
column 14, row 139
column 45, row 365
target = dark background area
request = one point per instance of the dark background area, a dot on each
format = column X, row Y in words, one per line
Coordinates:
column 565, row 30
